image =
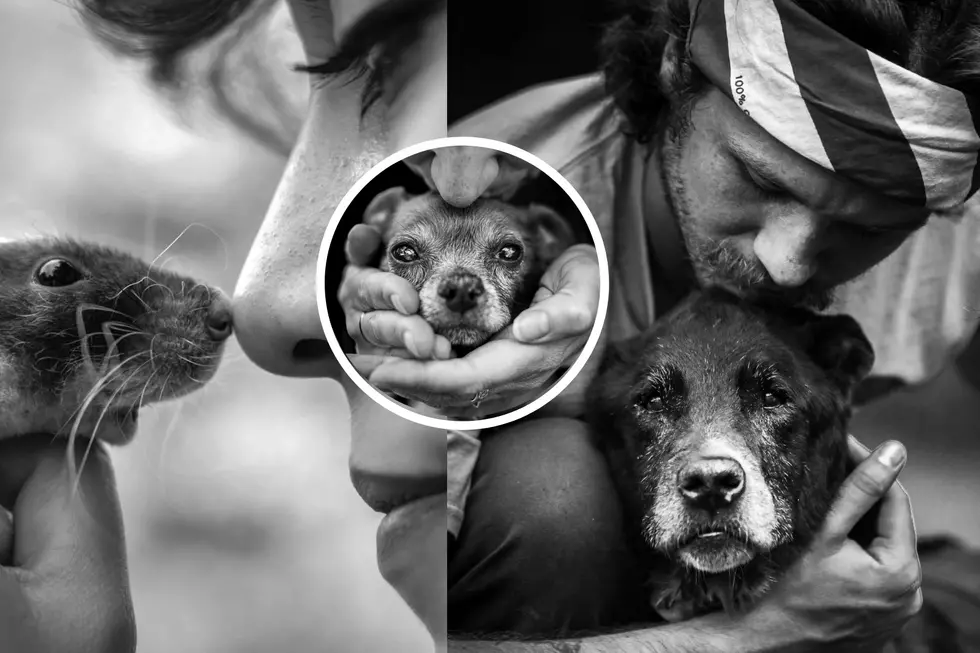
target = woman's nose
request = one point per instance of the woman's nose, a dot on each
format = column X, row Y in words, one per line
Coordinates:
column 787, row 245
column 277, row 322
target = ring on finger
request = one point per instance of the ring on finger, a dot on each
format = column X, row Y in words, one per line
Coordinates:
column 479, row 397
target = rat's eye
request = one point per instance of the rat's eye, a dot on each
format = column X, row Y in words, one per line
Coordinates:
column 510, row 253
column 404, row 253
column 57, row 272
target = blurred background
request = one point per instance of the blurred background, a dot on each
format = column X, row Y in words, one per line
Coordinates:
column 244, row 532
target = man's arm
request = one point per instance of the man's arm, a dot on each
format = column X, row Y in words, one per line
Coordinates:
column 714, row 633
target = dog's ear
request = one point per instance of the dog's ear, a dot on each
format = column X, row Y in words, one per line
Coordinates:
column 384, row 206
column 838, row 345
column 551, row 232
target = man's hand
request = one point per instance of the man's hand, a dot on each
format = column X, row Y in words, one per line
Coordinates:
column 381, row 308
column 519, row 361
column 63, row 580
column 843, row 597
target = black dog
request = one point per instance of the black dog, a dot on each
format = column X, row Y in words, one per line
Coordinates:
column 725, row 427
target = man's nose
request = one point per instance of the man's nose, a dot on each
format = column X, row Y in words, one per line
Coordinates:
column 787, row 245
column 278, row 325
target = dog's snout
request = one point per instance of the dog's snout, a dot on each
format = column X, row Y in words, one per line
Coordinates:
column 711, row 483
column 461, row 292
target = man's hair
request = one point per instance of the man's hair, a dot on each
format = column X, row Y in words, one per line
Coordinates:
column 165, row 33
column 939, row 40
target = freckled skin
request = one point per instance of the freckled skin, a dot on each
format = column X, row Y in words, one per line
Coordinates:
column 720, row 378
column 447, row 243
column 158, row 321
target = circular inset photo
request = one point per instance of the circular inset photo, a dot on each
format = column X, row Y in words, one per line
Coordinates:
column 462, row 283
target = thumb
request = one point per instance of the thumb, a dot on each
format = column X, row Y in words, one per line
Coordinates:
column 362, row 244
column 567, row 302
column 867, row 484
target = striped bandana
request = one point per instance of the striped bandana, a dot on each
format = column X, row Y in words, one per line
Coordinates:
column 837, row 104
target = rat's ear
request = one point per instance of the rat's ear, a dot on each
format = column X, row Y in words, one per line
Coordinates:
column 384, row 206
column 552, row 233
column 838, row 345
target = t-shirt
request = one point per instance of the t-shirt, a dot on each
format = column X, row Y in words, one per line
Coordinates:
column 919, row 307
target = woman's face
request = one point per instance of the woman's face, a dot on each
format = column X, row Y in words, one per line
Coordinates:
column 276, row 315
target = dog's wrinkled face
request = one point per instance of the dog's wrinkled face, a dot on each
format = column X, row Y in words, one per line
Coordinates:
column 474, row 268
column 731, row 429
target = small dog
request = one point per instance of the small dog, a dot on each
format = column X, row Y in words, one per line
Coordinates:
column 725, row 428
column 474, row 268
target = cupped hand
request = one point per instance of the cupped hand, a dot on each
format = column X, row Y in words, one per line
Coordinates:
column 381, row 308
column 519, row 362
column 845, row 597
column 64, row 584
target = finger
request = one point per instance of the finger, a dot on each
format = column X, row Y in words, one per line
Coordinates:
column 365, row 364
column 499, row 365
column 59, row 523
column 368, row 289
column 864, row 487
column 363, row 242
column 391, row 330
column 896, row 540
column 571, row 307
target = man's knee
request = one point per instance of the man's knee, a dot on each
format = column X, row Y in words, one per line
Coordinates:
column 542, row 547
column 543, row 483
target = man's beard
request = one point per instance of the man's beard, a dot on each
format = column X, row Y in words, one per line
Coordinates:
column 718, row 262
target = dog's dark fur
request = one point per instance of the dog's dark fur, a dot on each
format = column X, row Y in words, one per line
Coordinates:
column 493, row 249
column 721, row 380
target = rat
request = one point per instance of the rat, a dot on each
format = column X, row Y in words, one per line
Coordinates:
column 90, row 334
column 475, row 268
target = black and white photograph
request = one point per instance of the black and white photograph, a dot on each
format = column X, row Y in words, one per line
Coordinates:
column 445, row 270
column 429, row 325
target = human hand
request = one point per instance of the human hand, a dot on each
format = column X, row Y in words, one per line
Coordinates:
column 63, row 581
column 381, row 308
column 841, row 596
column 511, row 368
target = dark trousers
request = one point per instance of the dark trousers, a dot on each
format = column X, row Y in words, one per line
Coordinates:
column 541, row 552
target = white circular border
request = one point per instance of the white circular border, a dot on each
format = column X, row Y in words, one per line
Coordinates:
column 400, row 409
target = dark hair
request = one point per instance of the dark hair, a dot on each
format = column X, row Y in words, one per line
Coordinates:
column 939, row 40
column 164, row 33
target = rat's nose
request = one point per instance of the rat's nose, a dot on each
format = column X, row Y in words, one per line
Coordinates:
column 711, row 483
column 219, row 320
column 461, row 292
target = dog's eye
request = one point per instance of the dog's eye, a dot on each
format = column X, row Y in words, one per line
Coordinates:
column 772, row 399
column 405, row 253
column 651, row 400
column 510, row 253
column 57, row 272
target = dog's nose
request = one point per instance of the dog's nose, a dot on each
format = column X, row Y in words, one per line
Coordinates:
column 711, row 483
column 461, row 292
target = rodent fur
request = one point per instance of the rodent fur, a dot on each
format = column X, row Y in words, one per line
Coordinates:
column 169, row 331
